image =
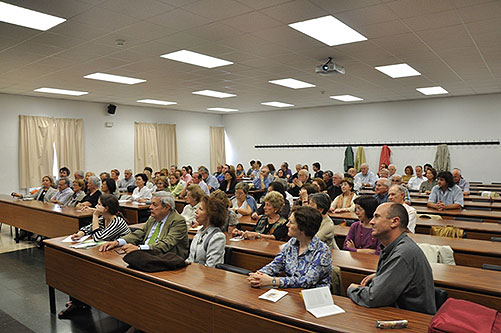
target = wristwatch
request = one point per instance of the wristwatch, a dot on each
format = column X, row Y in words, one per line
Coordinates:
column 273, row 282
column 139, row 248
column 258, row 235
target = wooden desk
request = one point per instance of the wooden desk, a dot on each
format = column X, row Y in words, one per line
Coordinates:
column 180, row 203
column 471, row 197
column 487, row 216
column 474, row 284
column 46, row 219
column 467, row 252
column 132, row 210
column 196, row 298
column 468, row 204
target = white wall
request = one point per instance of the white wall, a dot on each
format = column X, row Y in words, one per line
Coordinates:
column 105, row 148
column 434, row 119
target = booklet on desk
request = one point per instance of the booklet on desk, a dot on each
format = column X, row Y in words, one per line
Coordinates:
column 319, row 302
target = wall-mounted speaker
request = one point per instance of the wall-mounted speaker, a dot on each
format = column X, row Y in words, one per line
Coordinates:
column 112, row 108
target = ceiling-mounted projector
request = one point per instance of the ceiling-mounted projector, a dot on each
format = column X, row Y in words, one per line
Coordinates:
column 329, row 68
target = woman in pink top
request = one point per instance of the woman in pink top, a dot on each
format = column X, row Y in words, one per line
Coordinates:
column 185, row 176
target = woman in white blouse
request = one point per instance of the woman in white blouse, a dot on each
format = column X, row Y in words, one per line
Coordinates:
column 141, row 193
column 345, row 202
column 207, row 247
column 193, row 196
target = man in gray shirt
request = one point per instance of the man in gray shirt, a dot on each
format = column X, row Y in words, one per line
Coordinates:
column 122, row 184
column 403, row 277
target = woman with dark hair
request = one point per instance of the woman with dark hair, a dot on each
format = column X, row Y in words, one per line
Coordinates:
column 141, row 193
column 240, row 172
column 409, row 172
column 359, row 238
column 44, row 194
column 175, row 187
column 207, row 247
column 426, row 186
column 185, row 174
column 345, row 202
column 229, row 182
column 109, row 186
column 319, row 183
column 305, row 260
column 286, row 208
column 446, row 194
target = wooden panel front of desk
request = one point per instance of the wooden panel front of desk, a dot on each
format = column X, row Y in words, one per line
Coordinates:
column 42, row 222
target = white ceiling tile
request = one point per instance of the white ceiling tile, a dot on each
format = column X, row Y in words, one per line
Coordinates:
column 105, row 19
column 179, row 19
column 366, row 16
column 383, row 29
column 252, row 22
column 447, row 38
column 334, row 7
column 481, row 12
column 140, row 9
column 433, row 20
column 294, row 11
column 214, row 32
column 411, row 8
column 217, row 9
column 65, row 9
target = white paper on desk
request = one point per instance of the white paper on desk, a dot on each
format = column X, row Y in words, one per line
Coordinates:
column 236, row 239
column 319, row 302
column 69, row 240
column 84, row 245
column 273, row 295
column 123, row 201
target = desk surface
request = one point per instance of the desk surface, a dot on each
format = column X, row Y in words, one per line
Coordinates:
column 227, row 294
column 468, row 204
column 493, row 216
column 46, row 207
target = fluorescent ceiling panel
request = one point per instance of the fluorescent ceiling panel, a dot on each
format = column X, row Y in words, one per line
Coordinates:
column 328, row 30
column 432, row 90
column 222, row 109
column 292, row 83
column 277, row 104
column 398, row 70
column 213, row 93
column 347, row 98
column 155, row 101
column 197, row 59
column 114, row 78
column 61, row 91
column 27, row 17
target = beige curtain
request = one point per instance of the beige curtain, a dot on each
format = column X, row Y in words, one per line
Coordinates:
column 145, row 146
column 69, row 143
column 36, row 152
column 217, row 147
column 167, row 145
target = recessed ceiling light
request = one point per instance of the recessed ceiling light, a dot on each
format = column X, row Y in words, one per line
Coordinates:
column 292, row 83
column 197, row 59
column 61, row 91
column 329, row 30
column 432, row 90
column 277, row 104
column 27, row 17
column 222, row 109
column 155, row 101
column 213, row 93
column 398, row 70
column 114, row 78
column 347, row 98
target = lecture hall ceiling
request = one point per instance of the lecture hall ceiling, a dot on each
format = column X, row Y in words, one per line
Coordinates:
column 455, row 44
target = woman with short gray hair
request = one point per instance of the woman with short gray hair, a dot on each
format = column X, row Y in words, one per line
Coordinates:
column 90, row 200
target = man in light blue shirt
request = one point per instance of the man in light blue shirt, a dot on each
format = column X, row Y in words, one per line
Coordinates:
column 463, row 184
column 210, row 180
column 365, row 177
column 262, row 182
column 446, row 194
column 64, row 192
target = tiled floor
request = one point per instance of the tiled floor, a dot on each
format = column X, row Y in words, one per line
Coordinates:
column 7, row 242
column 24, row 295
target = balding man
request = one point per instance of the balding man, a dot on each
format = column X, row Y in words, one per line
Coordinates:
column 403, row 278
column 209, row 179
column 397, row 180
column 127, row 181
column 463, row 184
column 397, row 194
column 302, row 178
column 415, row 182
column 263, row 181
column 335, row 189
column 393, row 171
column 365, row 177
column 382, row 187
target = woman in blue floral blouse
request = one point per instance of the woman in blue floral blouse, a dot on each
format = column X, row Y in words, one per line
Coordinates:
column 305, row 259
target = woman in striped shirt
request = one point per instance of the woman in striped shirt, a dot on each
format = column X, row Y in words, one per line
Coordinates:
column 107, row 224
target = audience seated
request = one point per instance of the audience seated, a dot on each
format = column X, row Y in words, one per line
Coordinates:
column 446, row 194
column 219, row 170
column 320, row 184
column 249, row 171
column 364, row 177
column 127, row 181
column 297, row 183
column 161, row 184
column 382, row 187
column 64, row 172
column 231, row 217
column 397, row 195
column 322, row 202
column 44, row 193
column 64, row 193
column 229, row 182
column 207, row 247
column 304, row 260
column 90, row 200
column 185, row 176
column 463, row 184
column 393, row 171
column 409, row 172
column 285, row 168
column 415, row 182
column 384, row 173
column 114, row 174
column 318, row 172
column 109, row 186
column 431, row 181
column 175, row 187
column 78, row 193
column 197, row 180
column 242, row 203
column 284, row 212
column 165, row 231
column 193, row 196
column 79, row 174
column 270, row 225
column 352, row 172
column 210, row 180
column 141, row 193
column 296, row 175
column 359, row 237
column 262, row 181
column 403, row 277
column 397, row 180
column 345, row 202
column 239, row 171
column 335, row 189
column 282, row 178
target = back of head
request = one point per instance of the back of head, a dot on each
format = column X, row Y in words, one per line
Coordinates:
column 322, row 200
column 216, row 209
column 111, row 202
column 220, row 195
column 308, row 219
column 368, row 204
column 398, row 210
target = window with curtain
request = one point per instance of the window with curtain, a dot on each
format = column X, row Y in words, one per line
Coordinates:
column 39, row 137
column 217, row 147
column 155, row 145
